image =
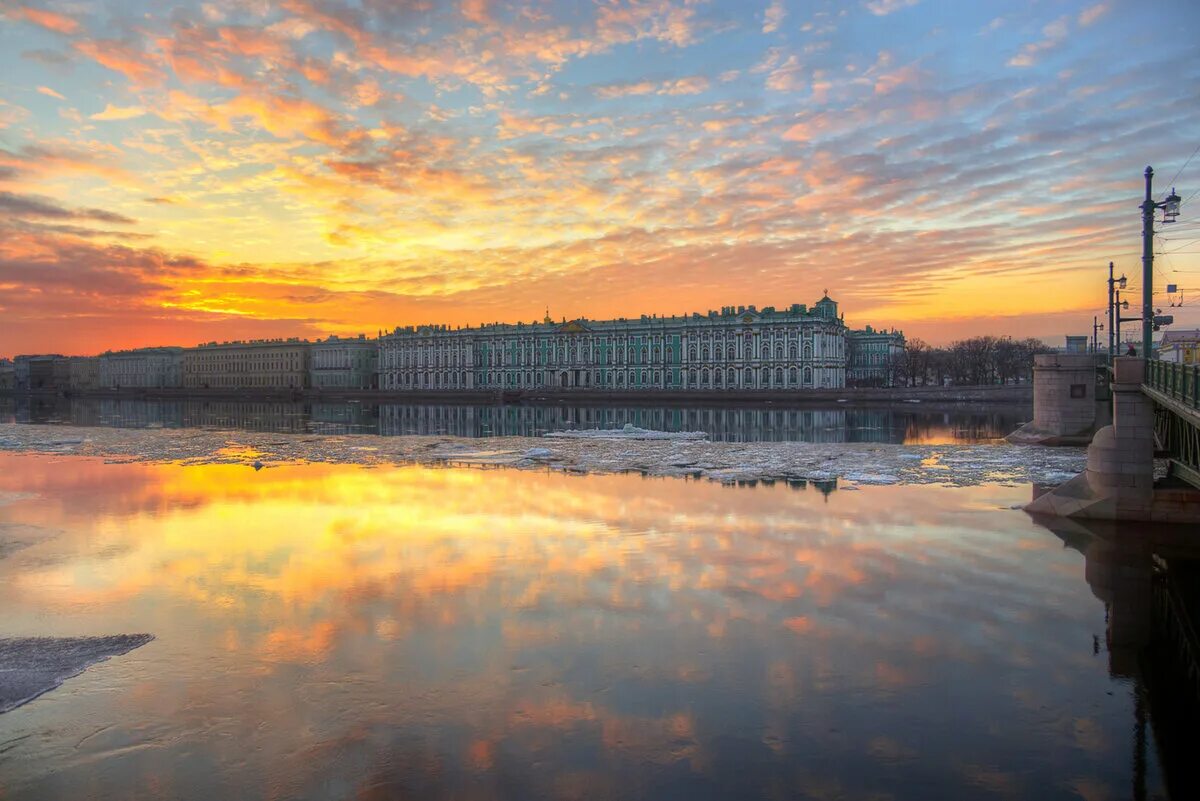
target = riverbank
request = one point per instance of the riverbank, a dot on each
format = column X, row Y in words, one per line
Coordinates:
column 729, row 462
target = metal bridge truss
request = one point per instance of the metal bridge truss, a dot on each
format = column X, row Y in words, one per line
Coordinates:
column 1175, row 390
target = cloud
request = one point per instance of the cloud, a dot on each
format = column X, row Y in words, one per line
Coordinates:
column 112, row 112
column 773, row 16
column 40, row 207
column 476, row 11
column 48, row 92
column 1093, row 13
column 54, row 159
column 881, row 8
column 136, row 65
column 691, row 85
column 50, row 20
column 1054, row 34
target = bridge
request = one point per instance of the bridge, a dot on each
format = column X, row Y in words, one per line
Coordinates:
column 1175, row 390
column 1155, row 413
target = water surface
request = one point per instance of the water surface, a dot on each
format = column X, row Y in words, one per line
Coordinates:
column 908, row 423
column 335, row 632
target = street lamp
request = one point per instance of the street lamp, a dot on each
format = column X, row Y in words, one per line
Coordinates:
column 1112, row 327
column 1170, row 208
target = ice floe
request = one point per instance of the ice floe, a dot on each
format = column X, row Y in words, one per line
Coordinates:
column 31, row 666
column 666, row 454
column 630, row 431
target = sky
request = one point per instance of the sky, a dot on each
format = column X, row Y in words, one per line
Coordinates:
column 183, row 173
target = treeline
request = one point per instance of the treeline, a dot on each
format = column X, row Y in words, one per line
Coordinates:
column 974, row 361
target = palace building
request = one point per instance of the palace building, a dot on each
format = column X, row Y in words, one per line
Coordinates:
column 736, row 348
column 254, row 364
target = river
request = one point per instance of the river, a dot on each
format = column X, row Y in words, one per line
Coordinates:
column 333, row 631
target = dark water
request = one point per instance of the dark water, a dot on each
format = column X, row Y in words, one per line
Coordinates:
column 334, row 632
column 901, row 423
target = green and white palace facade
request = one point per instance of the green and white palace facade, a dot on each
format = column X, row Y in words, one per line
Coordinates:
column 734, row 349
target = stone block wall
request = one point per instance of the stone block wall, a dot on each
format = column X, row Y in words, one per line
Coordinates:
column 1064, row 393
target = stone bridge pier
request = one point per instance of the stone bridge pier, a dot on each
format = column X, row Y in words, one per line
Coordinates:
column 1118, row 483
column 1120, row 460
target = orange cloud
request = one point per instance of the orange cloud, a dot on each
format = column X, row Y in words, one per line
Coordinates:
column 137, row 66
column 50, row 20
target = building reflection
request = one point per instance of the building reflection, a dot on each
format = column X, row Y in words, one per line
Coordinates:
column 906, row 423
column 1148, row 577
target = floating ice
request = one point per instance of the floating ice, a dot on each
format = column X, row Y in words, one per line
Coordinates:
column 872, row 478
column 630, row 431
column 656, row 453
column 31, row 666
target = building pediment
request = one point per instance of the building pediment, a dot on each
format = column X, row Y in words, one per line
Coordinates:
column 574, row 327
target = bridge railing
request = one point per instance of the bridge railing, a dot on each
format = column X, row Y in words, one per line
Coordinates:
column 1178, row 381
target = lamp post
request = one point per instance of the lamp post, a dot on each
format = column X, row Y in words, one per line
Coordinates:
column 1121, row 305
column 1170, row 208
column 1113, row 283
column 1097, row 327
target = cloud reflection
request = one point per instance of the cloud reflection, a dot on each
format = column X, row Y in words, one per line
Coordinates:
column 334, row 631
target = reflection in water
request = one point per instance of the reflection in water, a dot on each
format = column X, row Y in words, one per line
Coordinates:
column 904, row 423
column 338, row 632
column 1148, row 577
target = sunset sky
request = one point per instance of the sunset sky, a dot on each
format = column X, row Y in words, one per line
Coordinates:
column 179, row 173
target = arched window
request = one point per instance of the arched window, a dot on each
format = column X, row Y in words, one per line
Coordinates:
column 766, row 376
column 792, row 352
column 732, row 376
column 807, row 375
column 642, row 355
column 691, row 353
column 779, row 376
column 692, row 377
column 704, row 376
column 748, row 376
column 620, row 379
column 704, row 353
column 808, row 353
column 779, row 352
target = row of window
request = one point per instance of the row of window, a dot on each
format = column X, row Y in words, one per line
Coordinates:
column 706, row 378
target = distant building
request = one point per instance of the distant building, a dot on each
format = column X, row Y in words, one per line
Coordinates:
column 8, row 375
column 337, row 363
column 874, row 357
column 84, row 373
column 1181, row 347
column 736, row 348
column 1077, row 344
column 144, row 368
column 35, row 373
column 253, row 364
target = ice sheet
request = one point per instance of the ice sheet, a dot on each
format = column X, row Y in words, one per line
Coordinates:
column 867, row 463
column 31, row 666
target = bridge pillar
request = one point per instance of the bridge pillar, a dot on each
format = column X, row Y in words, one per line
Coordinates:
column 1065, row 403
column 1120, row 460
column 1118, row 483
